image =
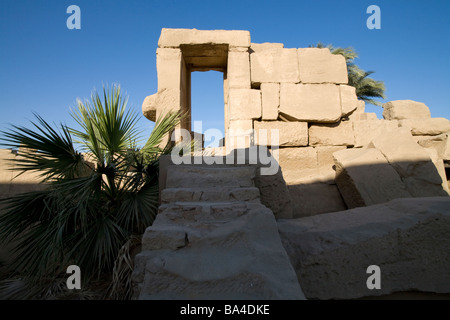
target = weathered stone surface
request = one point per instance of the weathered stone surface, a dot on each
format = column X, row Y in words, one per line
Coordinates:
column 447, row 150
column 160, row 103
column 310, row 102
column 192, row 176
column 210, row 194
column 238, row 70
column 175, row 37
column 411, row 161
column 439, row 143
column 265, row 46
column 149, row 107
column 274, row 65
column 325, row 154
column 241, row 126
column 325, row 162
column 339, row 134
column 366, row 130
column 6, row 158
column 289, row 134
column 349, row 100
column 202, row 268
column 273, row 190
column 239, row 134
column 365, row 177
column 299, row 165
column 426, row 127
column 319, row 65
column 331, row 252
column 274, row 194
column 439, row 164
column 405, row 109
column 315, row 198
column 168, row 65
column 244, row 104
column 363, row 116
column 11, row 182
column 270, row 100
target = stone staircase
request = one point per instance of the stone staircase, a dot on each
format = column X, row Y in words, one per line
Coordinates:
column 213, row 239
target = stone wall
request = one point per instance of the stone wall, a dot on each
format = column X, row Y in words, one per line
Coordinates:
column 11, row 182
column 302, row 93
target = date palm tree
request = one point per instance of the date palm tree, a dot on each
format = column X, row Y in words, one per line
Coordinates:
column 366, row 88
column 101, row 191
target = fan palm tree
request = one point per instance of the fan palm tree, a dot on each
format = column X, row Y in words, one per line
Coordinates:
column 97, row 197
column 366, row 88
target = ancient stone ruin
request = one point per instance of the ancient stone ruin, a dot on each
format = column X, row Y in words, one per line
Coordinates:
column 352, row 190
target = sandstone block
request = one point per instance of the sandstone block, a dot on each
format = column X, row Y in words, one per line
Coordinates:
column 168, row 65
column 265, row 46
column 447, row 150
column 210, row 194
column 310, row 102
column 339, row 134
column 169, row 237
column 325, row 162
column 366, row 130
column 239, row 134
column 200, row 176
column 238, row 72
column 299, row 165
column 290, row 134
column 426, row 127
column 331, row 252
column 439, row 164
column 325, row 155
column 411, row 161
column 270, row 100
column 274, row 65
column 363, row 116
column 175, row 37
column 319, row 65
column 364, row 177
column 149, row 107
column 274, row 194
column 439, row 143
column 315, row 198
column 6, row 158
column 241, row 126
column 167, row 100
column 405, row 109
column 244, row 104
column 201, row 268
column 349, row 100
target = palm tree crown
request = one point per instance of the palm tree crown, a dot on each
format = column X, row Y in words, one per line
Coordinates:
column 96, row 199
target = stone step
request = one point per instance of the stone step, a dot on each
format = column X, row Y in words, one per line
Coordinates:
column 210, row 194
column 199, row 211
column 183, row 176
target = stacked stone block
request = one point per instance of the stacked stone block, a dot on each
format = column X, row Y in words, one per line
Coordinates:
column 304, row 95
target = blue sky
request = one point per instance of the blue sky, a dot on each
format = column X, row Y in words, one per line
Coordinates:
column 45, row 67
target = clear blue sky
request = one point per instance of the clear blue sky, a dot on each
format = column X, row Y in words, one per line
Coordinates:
column 45, row 67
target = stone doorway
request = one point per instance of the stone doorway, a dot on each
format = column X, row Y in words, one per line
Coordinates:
column 182, row 52
column 207, row 106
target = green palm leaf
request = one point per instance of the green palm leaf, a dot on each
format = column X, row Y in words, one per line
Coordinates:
column 94, row 202
column 45, row 150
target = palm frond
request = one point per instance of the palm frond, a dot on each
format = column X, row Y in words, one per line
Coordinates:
column 47, row 151
column 164, row 125
column 121, row 287
column 108, row 128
